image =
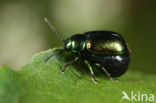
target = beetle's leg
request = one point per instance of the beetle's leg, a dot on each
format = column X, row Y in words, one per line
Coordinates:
column 111, row 78
column 91, row 71
column 69, row 63
column 53, row 55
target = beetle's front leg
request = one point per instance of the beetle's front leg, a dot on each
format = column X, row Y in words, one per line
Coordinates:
column 58, row 51
column 91, row 71
column 69, row 63
column 111, row 78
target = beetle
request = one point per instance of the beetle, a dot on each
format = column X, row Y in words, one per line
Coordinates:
column 105, row 49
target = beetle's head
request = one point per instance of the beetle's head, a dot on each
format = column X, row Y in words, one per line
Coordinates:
column 75, row 43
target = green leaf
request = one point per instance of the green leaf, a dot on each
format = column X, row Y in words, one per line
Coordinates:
column 40, row 82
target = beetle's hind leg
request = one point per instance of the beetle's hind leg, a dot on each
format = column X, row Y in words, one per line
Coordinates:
column 91, row 71
column 111, row 78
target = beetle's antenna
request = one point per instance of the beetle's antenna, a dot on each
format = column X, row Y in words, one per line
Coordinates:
column 53, row 28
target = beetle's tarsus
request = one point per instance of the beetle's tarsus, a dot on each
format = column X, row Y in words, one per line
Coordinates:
column 93, row 78
column 114, row 79
column 62, row 71
column 109, row 76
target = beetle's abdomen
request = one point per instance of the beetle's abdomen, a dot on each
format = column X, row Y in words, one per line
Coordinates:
column 116, row 65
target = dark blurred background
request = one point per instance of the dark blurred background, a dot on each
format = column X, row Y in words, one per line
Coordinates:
column 23, row 31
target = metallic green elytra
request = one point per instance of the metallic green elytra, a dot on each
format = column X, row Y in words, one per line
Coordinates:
column 103, row 46
column 105, row 49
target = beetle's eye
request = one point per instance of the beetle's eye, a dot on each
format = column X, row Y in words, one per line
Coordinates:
column 68, row 45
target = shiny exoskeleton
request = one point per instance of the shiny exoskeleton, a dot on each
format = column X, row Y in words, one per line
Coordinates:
column 105, row 49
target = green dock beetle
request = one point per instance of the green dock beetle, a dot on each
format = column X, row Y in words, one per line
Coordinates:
column 105, row 49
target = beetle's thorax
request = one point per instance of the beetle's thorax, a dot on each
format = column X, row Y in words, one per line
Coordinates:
column 75, row 43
